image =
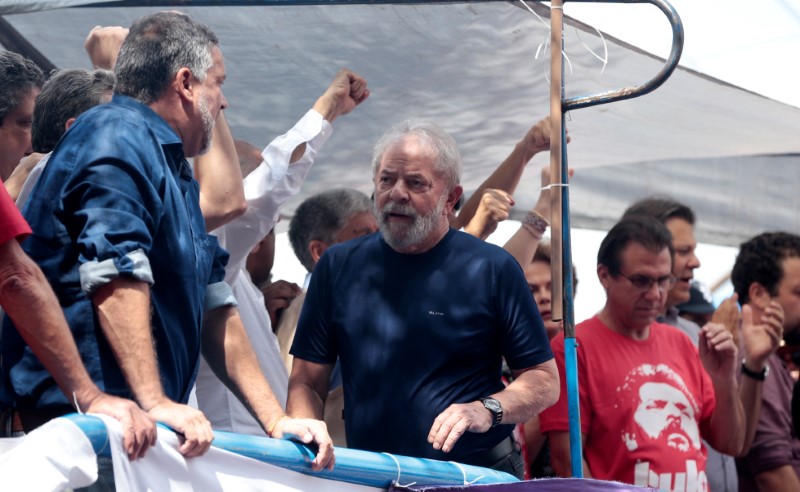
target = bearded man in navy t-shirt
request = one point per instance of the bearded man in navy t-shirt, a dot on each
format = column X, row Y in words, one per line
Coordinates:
column 421, row 317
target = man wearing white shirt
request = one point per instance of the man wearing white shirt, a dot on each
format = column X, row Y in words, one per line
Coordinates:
column 287, row 161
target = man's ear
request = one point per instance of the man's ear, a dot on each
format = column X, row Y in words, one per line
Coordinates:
column 759, row 295
column 604, row 276
column 316, row 248
column 452, row 198
column 185, row 84
column 69, row 123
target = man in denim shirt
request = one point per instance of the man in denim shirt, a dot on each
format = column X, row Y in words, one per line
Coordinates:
column 120, row 235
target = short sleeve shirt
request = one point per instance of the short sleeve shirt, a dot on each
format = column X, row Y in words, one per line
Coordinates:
column 12, row 224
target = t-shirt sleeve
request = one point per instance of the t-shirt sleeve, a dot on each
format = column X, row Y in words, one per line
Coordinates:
column 315, row 339
column 12, row 224
column 525, row 341
column 556, row 418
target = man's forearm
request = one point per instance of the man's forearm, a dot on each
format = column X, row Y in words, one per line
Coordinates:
column 220, row 177
column 230, row 355
column 31, row 304
column 727, row 421
column 123, row 310
column 750, row 395
column 506, row 177
column 531, row 392
column 308, row 389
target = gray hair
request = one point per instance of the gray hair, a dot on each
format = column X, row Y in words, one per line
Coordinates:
column 66, row 94
column 431, row 135
column 320, row 217
column 18, row 76
column 156, row 47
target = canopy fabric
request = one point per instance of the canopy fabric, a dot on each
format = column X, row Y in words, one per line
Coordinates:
column 472, row 67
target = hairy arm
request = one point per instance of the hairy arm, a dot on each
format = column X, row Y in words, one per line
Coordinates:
column 220, row 178
column 532, row 390
column 719, row 357
column 228, row 352
column 508, row 174
column 31, row 304
column 760, row 341
column 237, row 367
column 123, row 310
column 308, row 388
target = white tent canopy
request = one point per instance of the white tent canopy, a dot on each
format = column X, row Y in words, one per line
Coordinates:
column 729, row 153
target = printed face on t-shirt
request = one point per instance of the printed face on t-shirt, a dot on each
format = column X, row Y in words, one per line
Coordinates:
column 665, row 414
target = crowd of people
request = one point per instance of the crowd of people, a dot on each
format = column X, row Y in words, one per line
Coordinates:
column 137, row 285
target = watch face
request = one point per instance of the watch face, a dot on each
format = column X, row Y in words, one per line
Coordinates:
column 492, row 404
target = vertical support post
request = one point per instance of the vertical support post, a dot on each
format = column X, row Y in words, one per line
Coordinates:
column 556, row 121
column 561, row 259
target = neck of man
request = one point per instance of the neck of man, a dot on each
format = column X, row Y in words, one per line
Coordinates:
column 624, row 328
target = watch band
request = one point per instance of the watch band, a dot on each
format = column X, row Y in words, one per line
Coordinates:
column 757, row 375
column 495, row 408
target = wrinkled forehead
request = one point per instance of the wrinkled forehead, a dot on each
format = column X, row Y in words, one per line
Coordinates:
column 409, row 154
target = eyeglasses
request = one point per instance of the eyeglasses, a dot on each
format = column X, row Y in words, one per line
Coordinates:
column 644, row 283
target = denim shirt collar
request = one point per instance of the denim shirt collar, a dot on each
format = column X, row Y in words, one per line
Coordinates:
column 165, row 134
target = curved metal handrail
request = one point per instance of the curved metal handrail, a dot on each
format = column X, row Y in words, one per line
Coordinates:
column 650, row 85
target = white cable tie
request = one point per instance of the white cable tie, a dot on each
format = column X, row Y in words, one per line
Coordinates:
column 464, row 474
column 604, row 58
column 534, row 13
column 554, row 185
column 557, row 7
column 397, row 480
column 75, row 400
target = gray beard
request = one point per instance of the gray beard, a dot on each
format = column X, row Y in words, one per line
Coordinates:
column 400, row 236
column 208, row 126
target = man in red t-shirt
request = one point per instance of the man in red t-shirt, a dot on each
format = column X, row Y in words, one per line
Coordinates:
column 647, row 395
column 27, row 298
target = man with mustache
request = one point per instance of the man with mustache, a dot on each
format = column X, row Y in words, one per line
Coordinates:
column 420, row 316
column 624, row 342
column 119, row 233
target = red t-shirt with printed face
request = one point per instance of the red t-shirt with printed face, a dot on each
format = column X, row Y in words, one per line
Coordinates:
column 644, row 406
column 12, row 224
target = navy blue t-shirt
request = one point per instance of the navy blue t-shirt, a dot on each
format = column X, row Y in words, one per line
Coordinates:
column 416, row 333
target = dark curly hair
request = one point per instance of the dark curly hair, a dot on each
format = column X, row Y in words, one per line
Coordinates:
column 760, row 260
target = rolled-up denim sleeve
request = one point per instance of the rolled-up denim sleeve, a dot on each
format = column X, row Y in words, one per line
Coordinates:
column 218, row 292
column 115, row 205
column 95, row 273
